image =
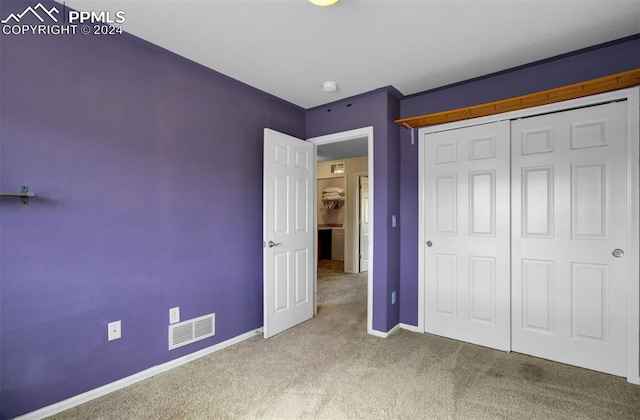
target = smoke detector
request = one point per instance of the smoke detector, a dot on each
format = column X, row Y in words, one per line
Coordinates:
column 329, row 86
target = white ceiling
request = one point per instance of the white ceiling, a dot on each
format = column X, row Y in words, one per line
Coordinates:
column 289, row 47
column 343, row 149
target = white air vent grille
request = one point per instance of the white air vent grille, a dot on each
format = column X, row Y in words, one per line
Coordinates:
column 192, row 330
column 202, row 328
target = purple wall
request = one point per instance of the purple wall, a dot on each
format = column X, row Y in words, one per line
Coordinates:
column 148, row 170
column 571, row 68
column 378, row 109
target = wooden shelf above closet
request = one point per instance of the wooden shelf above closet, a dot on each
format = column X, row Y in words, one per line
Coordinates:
column 578, row 90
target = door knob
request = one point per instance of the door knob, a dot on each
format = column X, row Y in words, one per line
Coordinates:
column 271, row 244
column 617, row 253
column 429, row 244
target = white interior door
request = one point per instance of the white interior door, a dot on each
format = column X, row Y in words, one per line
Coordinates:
column 289, row 196
column 364, row 223
column 569, row 201
column 467, row 285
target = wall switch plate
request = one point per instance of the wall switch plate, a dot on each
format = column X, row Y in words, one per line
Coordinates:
column 115, row 330
column 393, row 298
column 394, row 221
column 174, row 315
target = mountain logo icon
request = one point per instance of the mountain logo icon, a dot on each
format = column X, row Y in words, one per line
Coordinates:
column 34, row 11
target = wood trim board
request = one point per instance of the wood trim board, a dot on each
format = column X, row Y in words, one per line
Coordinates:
column 577, row 90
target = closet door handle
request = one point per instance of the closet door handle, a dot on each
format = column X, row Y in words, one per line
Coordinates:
column 271, row 244
column 429, row 244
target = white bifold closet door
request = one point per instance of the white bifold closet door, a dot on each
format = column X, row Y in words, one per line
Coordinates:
column 569, row 214
column 467, row 228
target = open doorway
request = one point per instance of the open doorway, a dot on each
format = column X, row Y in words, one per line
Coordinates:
column 338, row 210
column 344, row 160
column 333, row 202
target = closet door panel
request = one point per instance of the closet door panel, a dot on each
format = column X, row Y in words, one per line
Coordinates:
column 467, row 291
column 569, row 172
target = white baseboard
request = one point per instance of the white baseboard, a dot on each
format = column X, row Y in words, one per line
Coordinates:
column 61, row 406
column 409, row 327
column 394, row 329
column 378, row 333
column 384, row 334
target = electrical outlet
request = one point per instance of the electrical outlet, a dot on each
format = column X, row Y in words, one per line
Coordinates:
column 393, row 298
column 115, row 330
column 174, row 315
column 394, row 221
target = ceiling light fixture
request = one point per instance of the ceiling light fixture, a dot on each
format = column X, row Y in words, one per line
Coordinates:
column 329, row 86
column 323, row 2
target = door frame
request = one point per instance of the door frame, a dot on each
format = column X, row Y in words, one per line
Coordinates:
column 345, row 136
column 632, row 96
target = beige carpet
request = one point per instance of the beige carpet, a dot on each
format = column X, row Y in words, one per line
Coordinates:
column 330, row 368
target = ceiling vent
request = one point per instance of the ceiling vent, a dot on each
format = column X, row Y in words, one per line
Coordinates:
column 190, row 331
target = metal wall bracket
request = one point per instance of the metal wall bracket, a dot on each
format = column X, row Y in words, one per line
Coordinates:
column 411, row 130
column 24, row 195
column 24, row 200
